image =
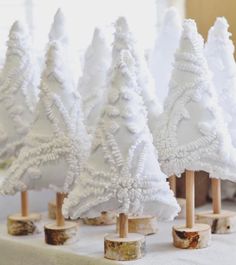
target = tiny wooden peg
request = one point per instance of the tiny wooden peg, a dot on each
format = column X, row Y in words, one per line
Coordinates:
column 172, row 182
column 59, row 217
column 216, row 195
column 24, row 204
column 189, row 198
column 123, row 231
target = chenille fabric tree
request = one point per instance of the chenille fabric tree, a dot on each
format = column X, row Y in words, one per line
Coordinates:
column 92, row 84
column 191, row 132
column 219, row 51
column 19, row 83
column 58, row 28
column 122, row 173
column 162, row 57
column 124, row 39
column 57, row 143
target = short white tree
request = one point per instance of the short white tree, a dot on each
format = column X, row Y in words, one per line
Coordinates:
column 162, row 56
column 57, row 143
column 92, row 84
column 191, row 132
column 122, row 173
column 19, row 83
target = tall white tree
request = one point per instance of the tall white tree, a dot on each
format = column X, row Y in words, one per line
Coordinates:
column 122, row 173
column 92, row 84
column 162, row 56
column 19, row 83
column 191, row 132
column 124, row 39
column 219, row 51
column 57, row 142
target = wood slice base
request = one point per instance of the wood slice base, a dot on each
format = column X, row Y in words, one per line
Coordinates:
column 18, row 225
column 223, row 223
column 106, row 218
column 182, row 204
column 191, row 238
column 131, row 248
column 145, row 225
column 61, row 235
column 52, row 210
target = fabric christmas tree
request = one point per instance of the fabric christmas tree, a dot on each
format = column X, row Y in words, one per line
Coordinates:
column 124, row 39
column 219, row 51
column 19, row 92
column 122, row 173
column 58, row 28
column 92, row 84
column 57, row 142
column 191, row 132
column 162, row 56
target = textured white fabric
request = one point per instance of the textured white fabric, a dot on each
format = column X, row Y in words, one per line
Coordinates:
column 160, row 251
column 191, row 132
column 162, row 57
column 122, row 173
column 92, row 84
column 57, row 142
column 19, row 92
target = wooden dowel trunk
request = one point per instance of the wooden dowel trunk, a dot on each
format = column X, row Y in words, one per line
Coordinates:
column 24, row 203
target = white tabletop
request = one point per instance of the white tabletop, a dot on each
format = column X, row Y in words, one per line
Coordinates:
column 31, row 250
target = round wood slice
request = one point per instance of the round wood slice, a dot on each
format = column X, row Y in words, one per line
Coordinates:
column 131, row 248
column 182, row 204
column 192, row 238
column 222, row 223
column 106, row 218
column 61, row 235
column 18, row 225
column 145, row 225
column 52, row 210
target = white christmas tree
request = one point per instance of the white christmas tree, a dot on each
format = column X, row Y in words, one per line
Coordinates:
column 92, row 84
column 162, row 56
column 57, row 143
column 19, row 92
column 219, row 51
column 191, row 132
column 122, row 173
column 58, row 28
column 124, row 39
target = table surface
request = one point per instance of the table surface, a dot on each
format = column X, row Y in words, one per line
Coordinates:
column 31, row 250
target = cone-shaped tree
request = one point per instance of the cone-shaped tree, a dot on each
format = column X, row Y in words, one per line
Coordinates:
column 122, row 173
column 58, row 28
column 57, row 142
column 162, row 56
column 18, row 91
column 124, row 39
column 191, row 132
column 92, row 84
column 219, row 51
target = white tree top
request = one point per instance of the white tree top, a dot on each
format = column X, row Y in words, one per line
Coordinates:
column 92, row 84
column 162, row 56
column 18, row 91
column 219, row 51
column 58, row 28
column 191, row 131
column 124, row 39
column 57, row 142
column 122, row 173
